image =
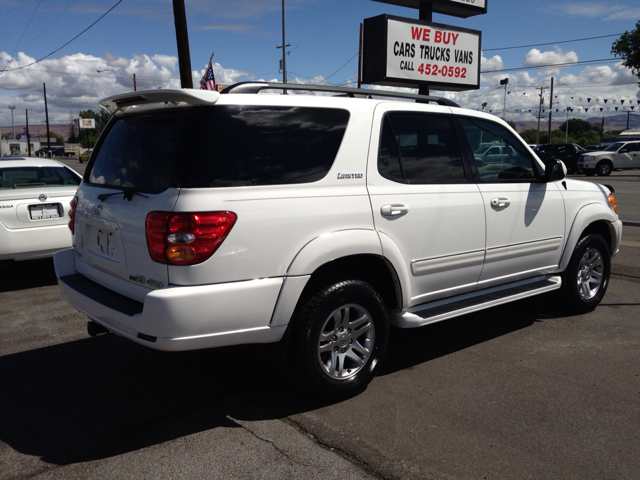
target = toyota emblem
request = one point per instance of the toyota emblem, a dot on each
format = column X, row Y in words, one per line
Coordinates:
column 42, row 197
column 98, row 209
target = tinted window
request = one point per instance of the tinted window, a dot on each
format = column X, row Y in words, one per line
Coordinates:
column 633, row 147
column 511, row 160
column 419, row 148
column 220, row 146
column 25, row 177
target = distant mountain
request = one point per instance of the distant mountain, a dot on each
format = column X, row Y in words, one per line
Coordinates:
column 39, row 130
column 611, row 122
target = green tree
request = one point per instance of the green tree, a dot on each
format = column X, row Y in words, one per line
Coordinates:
column 89, row 136
column 612, row 133
column 512, row 124
column 628, row 47
column 73, row 128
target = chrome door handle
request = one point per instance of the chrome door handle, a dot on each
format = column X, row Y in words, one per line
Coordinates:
column 393, row 210
column 500, row 202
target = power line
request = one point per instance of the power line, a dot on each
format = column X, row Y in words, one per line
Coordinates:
column 23, row 32
column 60, row 48
column 48, row 26
column 602, row 60
column 550, row 43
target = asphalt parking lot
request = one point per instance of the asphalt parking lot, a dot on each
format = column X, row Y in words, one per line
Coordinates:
column 519, row 391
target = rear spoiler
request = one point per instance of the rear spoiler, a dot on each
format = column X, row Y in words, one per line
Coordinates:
column 188, row 96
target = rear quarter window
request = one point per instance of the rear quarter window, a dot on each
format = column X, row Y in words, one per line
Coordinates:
column 219, row 146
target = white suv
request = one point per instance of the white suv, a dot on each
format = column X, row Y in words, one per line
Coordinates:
column 617, row 156
column 208, row 219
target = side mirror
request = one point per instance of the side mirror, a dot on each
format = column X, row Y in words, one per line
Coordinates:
column 554, row 170
column 623, row 150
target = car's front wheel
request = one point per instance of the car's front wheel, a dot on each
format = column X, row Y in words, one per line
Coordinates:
column 340, row 339
column 586, row 278
column 604, row 169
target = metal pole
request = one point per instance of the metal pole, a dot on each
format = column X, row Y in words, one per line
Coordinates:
column 26, row 112
column 504, row 104
column 12, row 108
column 46, row 112
column 550, row 108
column 135, row 89
column 566, row 133
column 284, row 50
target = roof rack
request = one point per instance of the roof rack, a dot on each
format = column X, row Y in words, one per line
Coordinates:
column 255, row 87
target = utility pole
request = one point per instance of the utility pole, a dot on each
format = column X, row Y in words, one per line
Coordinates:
column 542, row 89
column 182, row 39
column 284, row 50
column 46, row 113
column 12, row 108
column 26, row 113
column 566, row 130
column 135, row 88
column 550, row 108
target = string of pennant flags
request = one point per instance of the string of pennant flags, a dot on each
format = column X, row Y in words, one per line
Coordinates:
column 594, row 104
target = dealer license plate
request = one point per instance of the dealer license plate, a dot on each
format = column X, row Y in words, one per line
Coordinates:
column 44, row 211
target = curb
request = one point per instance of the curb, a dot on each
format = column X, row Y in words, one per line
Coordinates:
column 630, row 224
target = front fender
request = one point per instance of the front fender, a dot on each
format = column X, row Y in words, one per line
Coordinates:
column 586, row 216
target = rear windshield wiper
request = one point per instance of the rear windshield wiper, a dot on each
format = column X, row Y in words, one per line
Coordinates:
column 128, row 193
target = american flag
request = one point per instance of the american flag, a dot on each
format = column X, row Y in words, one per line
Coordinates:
column 208, row 82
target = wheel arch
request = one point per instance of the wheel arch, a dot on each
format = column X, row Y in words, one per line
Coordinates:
column 329, row 258
column 592, row 218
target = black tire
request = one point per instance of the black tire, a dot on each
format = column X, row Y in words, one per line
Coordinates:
column 586, row 278
column 604, row 169
column 325, row 349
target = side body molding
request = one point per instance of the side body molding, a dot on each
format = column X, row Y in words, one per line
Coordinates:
column 587, row 215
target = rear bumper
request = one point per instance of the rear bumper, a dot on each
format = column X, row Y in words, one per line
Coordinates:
column 33, row 243
column 179, row 318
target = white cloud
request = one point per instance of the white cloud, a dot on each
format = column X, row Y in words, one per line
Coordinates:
column 601, row 10
column 536, row 58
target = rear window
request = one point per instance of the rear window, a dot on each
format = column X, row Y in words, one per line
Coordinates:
column 219, row 146
column 27, row 177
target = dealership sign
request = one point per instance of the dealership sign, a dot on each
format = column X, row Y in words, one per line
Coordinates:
column 87, row 123
column 403, row 52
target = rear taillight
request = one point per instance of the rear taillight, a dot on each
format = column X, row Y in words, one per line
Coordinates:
column 72, row 214
column 186, row 238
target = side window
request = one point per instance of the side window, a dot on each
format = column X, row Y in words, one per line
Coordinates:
column 633, row 147
column 515, row 163
column 419, row 148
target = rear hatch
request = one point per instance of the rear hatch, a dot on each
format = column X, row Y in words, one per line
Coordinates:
column 131, row 175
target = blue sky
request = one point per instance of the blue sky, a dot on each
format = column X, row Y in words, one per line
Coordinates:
column 138, row 36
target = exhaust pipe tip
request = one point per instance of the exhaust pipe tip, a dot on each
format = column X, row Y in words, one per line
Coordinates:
column 94, row 329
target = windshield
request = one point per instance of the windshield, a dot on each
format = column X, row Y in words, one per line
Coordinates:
column 29, row 177
column 219, row 146
column 613, row 147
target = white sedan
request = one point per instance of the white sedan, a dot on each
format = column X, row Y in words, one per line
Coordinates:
column 34, row 207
